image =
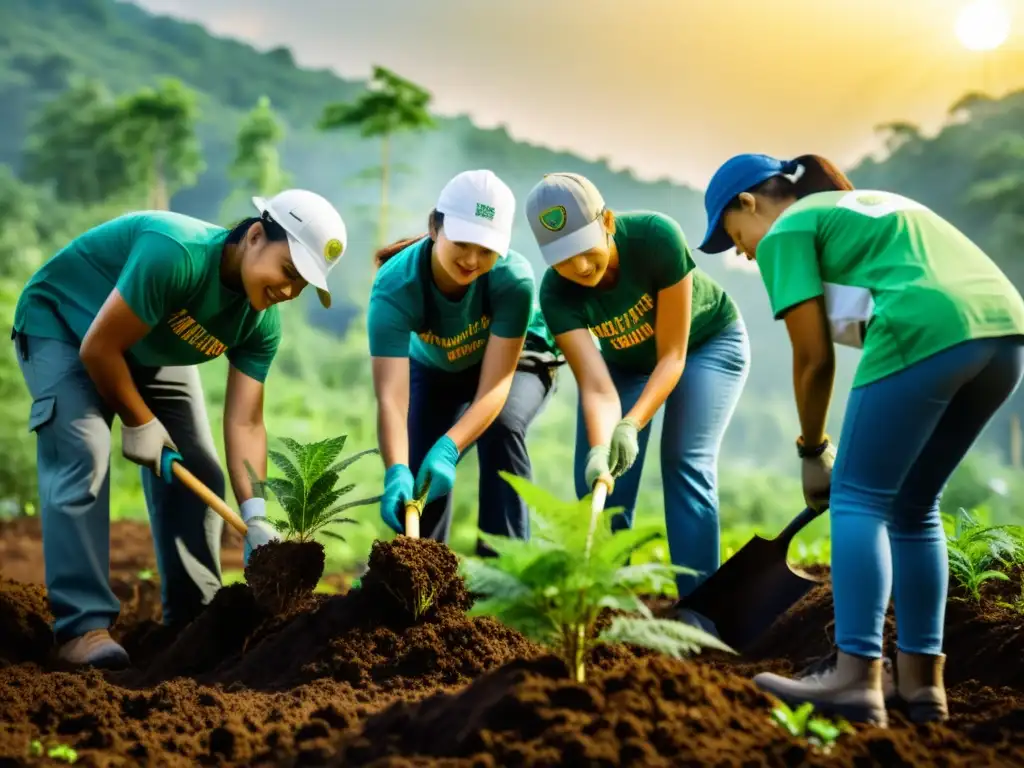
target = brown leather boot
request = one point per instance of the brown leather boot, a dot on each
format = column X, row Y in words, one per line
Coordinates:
column 848, row 686
column 95, row 648
column 919, row 683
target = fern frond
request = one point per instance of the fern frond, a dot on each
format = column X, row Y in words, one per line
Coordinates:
column 348, row 461
column 258, row 486
column 673, row 638
column 284, row 464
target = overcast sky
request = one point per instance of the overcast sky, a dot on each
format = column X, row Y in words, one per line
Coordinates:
column 668, row 87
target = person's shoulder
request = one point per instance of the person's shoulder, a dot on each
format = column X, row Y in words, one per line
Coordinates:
column 513, row 268
column 806, row 214
column 553, row 285
column 179, row 227
column 399, row 272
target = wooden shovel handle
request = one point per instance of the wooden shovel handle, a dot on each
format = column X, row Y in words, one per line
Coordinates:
column 215, row 502
column 412, row 520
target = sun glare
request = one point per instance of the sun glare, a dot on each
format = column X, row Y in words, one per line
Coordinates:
column 983, row 25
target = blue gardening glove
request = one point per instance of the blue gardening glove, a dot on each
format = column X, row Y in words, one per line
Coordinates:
column 260, row 531
column 624, row 447
column 439, row 466
column 597, row 467
column 398, row 490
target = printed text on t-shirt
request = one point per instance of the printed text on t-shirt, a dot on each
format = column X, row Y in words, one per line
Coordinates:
column 192, row 333
column 462, row 343
column 628, row 329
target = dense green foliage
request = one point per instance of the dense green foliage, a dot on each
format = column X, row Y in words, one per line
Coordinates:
column 107, row 108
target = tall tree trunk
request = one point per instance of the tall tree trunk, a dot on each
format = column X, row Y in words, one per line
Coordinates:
column 382, row 219
column 158, row 185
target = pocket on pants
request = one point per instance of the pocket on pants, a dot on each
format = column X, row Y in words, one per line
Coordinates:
column 41, row 413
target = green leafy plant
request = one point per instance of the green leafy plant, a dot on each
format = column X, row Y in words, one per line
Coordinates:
column 798, row 722
column 308, row 492
column 61, row 752
column 554, row 587
column 980, row 553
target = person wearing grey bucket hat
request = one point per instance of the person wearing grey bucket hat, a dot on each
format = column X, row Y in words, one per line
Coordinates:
column 668, row 337
column 461, row 357
column 115, row 324
column 941, row 334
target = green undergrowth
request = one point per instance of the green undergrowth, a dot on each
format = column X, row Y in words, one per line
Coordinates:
column 980, row 553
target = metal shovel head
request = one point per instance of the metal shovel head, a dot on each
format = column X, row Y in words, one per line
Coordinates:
column 753, row 588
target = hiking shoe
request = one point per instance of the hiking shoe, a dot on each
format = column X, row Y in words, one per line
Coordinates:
column 95, row 648
column 919, row 684
column 847, row 686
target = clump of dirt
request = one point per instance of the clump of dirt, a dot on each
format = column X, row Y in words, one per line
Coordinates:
column 656, row 712
column 25, row 618
column 413, row 579
column 283, row 574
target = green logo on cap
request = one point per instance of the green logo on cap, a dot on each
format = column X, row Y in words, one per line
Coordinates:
column 553, row 218
column 484, row 211
column 333, row 249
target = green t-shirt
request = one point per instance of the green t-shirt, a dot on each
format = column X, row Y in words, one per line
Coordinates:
column 454, row 335
column 653, row 255
column 890, row 265
column 166, row 266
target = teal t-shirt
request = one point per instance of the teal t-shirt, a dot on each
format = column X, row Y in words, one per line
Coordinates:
column 454, row 337
column 166, row 266
column 653, row 255
column 889, row 265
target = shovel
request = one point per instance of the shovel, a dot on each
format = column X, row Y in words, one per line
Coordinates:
column 753, row 587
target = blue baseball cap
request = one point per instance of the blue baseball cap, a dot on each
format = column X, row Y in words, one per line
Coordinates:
column 737, row 174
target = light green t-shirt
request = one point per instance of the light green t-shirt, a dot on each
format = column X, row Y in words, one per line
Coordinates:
column 449, row 335
column 888, row 264
column 166, row 266
column 653, row 255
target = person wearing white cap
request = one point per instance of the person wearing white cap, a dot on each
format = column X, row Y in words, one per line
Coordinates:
column 114, row 325
column 668, row 335
column 461, row 356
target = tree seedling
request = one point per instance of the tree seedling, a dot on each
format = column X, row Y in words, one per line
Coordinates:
column 980, row 553
column 554, row 587
column 819, row 731
column 307, row 493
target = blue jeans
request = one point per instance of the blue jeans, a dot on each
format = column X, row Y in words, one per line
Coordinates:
column 697, row 413
column 436, row 401
column 72, row 426
column 902, row 438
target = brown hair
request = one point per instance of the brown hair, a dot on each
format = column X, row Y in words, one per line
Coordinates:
column 434, row 222
column 819, row 175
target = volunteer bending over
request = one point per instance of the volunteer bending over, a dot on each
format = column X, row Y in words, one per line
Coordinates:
column 941, row 331
column 460, row 356
column 669, row 336
column 114, row 325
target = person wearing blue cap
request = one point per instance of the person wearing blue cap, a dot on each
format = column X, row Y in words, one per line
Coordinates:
column 668, row 336
column 941, row 330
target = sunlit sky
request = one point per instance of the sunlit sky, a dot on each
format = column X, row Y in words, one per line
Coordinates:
column 667, row 87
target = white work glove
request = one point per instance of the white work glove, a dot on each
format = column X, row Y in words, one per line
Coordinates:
column 260, row 532
column 145, row 444
column 816, row 474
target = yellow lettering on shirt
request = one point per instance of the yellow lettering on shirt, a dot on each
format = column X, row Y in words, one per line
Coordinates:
column 185, row 327
column 628, row 329
column 461, row 344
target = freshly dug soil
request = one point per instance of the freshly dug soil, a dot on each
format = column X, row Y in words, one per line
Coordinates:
column 356, row 679
column 283, row 574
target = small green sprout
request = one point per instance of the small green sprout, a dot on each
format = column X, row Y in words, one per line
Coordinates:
column 819, row 731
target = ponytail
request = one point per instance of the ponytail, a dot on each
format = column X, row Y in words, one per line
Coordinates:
column 434, row 222
column 804, row 175
column 274, row 231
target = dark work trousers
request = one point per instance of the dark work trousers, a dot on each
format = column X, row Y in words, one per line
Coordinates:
column 436, row 401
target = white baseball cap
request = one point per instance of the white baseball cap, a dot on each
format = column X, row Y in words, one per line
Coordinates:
column 564, row 210
column 317, row 235
column 478, row 208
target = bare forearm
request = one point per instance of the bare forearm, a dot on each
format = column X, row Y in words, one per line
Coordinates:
column 245, row 443
column 110, row 373
column 392, row 434
column 601, row 412
column 659, row 386
column 812, row 382
column 479, row 416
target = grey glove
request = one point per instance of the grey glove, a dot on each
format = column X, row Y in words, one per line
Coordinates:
column 817, row 477
column 597, row 467
column 145, row 444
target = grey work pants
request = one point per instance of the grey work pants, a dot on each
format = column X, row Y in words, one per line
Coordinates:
column 72, row 425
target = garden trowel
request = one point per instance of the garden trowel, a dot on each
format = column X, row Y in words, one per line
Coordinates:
column 754, row 587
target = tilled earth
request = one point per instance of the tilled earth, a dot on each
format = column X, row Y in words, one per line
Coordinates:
column 356, row 679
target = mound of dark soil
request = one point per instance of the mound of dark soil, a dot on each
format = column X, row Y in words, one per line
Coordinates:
column 24, row 623
column 283, row 574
